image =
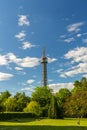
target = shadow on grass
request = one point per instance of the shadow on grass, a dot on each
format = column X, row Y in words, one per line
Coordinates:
column 42, row 128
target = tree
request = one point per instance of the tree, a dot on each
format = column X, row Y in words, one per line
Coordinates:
column 10, row 104
column 62, row 96
column 80, row 85
column 3, row 97
column 53, row 108
column 33, row 107
column 76, row 105
column 21, row 100
column 83, row 83
column 42, row 95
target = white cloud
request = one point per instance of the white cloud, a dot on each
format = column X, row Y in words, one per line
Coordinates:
column 3, row 60
column 50, row 60
column 21, row 35
column 68, row 40
column 78, row 70
column 27, row 45
column 84, row 40
column 5, row 76
column 23, row 20
column 56, row 87
column 29, row 62
column 23, row 62
column 59, row 70
column 79, row 35
column 79, row 54
column 30, row 81
column 21, row 73
column 27, row 89
column 20, row 62
column 62, row 36
column 18, row 68
column 75, row 27
column 85, row 75
column 78, row 58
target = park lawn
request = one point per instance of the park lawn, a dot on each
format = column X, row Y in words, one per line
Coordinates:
column 44, row 124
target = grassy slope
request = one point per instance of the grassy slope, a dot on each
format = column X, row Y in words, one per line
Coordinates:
column 44, row 124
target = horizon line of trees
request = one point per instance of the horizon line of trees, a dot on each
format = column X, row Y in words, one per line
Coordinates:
column 44, row 103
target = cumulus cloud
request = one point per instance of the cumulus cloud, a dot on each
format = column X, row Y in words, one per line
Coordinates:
column 27, row 45
column 75, row 27
column 50, row 60
column 78, row 58
column 56, row 87
column 79, row 54
column 21, row 62
column 5, row 76
column 21, row 35
column 30, row 81
column 3, row 60
column 23, row 20
column 68, row 40
column 18, row 68
column 27, row 89
column 27, row 61
column 79, row 35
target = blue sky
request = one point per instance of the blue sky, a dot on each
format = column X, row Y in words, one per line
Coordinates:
column 28, row 25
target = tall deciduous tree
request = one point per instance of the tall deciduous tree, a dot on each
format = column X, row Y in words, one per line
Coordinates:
column 21, row 100
column 42, row 95
column 3, row 97
column 33, row 107
column 76, row 105
column 62, row 95
column 10, row 104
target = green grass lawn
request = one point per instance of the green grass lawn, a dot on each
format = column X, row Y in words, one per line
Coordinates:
column 44, row 124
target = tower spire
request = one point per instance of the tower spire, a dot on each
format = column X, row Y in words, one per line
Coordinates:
column 44, row 53
column 44, row 68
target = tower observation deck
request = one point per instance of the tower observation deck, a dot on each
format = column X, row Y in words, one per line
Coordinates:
column 44, row 68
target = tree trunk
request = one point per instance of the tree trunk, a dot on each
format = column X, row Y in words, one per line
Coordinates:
column 78, row 122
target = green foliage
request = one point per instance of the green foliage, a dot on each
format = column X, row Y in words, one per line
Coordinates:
column 62, row 96
column 21, row 100
column 53, row 109
column 62, row 103
column 80, row 85
column 42, row 95
column 15, row 115
column 33, row 107
column 10, row 104
column 3, row 97
column 76, row 105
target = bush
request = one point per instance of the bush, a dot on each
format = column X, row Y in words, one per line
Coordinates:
column 33, row 107
column 13, row 115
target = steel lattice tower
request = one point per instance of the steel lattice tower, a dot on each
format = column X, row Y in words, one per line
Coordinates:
column 44, row 68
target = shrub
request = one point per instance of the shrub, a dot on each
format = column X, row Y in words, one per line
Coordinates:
column 13, row 115
column 33, row 107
